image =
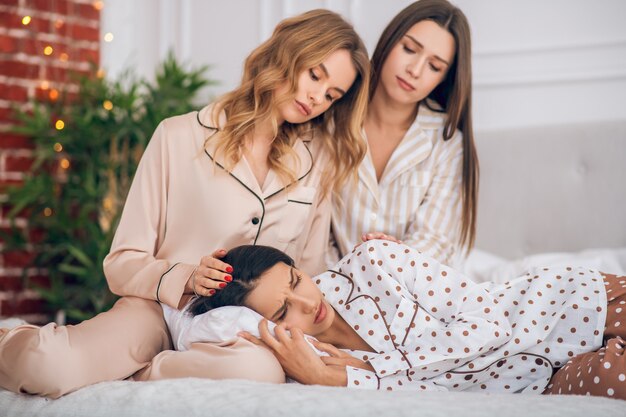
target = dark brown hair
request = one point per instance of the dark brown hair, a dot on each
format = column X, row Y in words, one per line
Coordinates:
column 249, row 263
column 453, row 94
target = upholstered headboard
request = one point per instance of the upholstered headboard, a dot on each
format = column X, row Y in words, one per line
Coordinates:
column 552, row 189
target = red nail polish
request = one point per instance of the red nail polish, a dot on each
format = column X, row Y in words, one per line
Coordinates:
column 228, row 278
column 229, row 269
column 211, row 292
column 222, row 284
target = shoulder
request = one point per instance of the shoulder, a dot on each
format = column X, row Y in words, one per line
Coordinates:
column 316, row 142
column 432, row 119
column 194, row 120
column 185, row 129
column 431, row 116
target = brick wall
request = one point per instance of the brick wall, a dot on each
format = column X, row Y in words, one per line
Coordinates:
column 30, row 69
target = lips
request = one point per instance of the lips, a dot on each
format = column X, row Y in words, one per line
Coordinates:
column 321, row 313
column 405, row 85
column 303, row 108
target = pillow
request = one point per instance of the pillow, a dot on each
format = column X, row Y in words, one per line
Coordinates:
column 219, row 325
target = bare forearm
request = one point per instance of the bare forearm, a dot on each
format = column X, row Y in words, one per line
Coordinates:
column 331, row 376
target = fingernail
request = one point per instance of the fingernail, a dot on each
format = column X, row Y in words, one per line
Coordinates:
column 229, row 269
column 211, row 292
column 222, row 284
column 228, row 278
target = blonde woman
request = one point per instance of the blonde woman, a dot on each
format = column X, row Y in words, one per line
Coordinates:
column 419, row 181
column 254, row 168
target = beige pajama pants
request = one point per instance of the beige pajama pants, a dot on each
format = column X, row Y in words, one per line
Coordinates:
column 55, row 360
column 602, row 372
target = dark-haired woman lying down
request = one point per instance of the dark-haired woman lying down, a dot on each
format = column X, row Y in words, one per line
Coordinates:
column 388, row 317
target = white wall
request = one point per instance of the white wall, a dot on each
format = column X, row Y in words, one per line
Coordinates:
column 536, row 62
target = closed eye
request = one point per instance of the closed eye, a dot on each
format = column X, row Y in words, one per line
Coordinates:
column 435, row 68
column 295, row 280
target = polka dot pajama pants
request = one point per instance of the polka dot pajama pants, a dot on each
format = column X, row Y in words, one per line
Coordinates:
column 602, row 372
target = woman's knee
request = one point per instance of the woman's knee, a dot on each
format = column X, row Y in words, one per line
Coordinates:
column 37, row 361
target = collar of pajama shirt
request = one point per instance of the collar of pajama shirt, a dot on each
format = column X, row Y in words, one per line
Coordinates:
column 302, row 160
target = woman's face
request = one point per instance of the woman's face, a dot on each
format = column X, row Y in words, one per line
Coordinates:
column 317, row 88
column 417, row 63
column 286, row 295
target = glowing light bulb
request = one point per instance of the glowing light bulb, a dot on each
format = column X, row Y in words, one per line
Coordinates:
column 58, row 147
column 47, row 212
column 65, row 163
column 100, row 73
column 64, row 57
column 44, row 85
column 26, row 20
column 53, row 94
column 48, row 50
column 108, row 105
column 108, row 37
column 98, row 5
column 59, row 125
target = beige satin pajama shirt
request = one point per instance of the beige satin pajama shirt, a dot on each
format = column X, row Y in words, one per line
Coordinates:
column 182, row 206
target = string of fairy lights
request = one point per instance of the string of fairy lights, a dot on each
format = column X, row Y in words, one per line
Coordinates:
column 53, row 93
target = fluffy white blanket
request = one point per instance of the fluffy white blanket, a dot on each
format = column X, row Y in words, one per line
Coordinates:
column 196, row 397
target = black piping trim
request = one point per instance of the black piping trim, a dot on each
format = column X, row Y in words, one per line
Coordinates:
column 161, row 280
column 300, row 202
column 237, row 179
column 202, row 124
column 247, row 188
column 261, row 200
column 299, row 179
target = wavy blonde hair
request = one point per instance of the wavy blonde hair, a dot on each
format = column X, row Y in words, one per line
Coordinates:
column 299, row 43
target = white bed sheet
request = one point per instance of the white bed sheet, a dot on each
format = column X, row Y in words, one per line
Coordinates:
column 484, row 266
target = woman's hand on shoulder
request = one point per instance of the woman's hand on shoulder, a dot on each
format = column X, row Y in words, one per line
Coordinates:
column 211, row 275
column 378, row 235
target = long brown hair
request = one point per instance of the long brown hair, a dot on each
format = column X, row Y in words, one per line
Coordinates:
column 453, row 94
column 298, row 44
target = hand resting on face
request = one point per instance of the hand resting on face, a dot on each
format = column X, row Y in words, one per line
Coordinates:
column 219, row 325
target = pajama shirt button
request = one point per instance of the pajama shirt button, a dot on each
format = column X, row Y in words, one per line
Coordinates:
column 255, row 220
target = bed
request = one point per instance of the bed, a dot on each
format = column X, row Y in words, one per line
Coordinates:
column 549, row 196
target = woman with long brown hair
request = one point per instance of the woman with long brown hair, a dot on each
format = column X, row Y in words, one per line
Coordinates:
column 254, row 168
column 419, row 180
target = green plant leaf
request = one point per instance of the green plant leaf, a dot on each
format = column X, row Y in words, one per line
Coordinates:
column 67, row 205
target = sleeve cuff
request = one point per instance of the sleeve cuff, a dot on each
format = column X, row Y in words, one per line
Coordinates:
column 361, row 379
column 172, row 284
column 389, row 363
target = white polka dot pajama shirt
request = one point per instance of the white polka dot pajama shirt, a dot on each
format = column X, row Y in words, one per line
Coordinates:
column 432, row 328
